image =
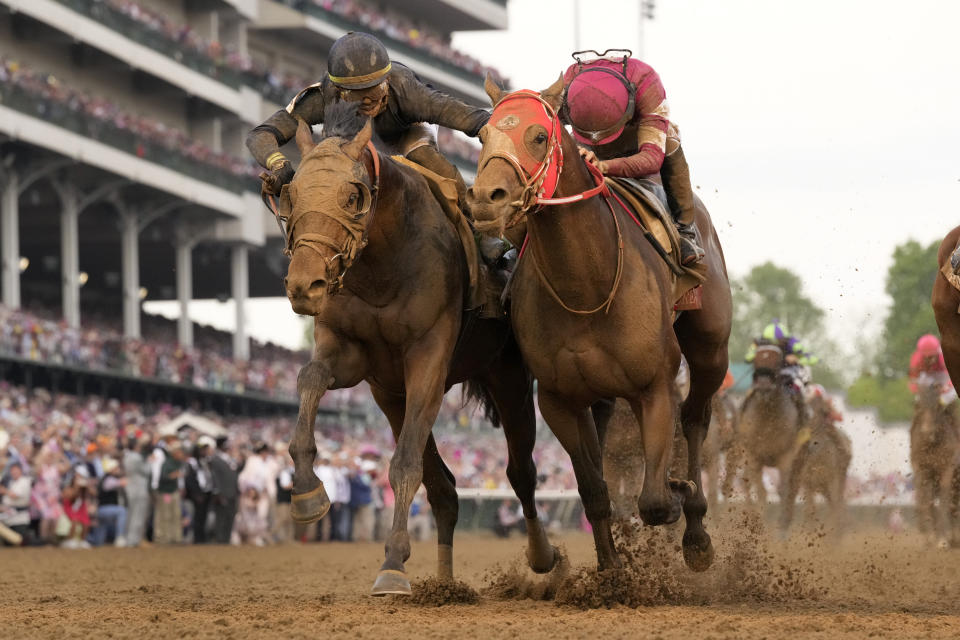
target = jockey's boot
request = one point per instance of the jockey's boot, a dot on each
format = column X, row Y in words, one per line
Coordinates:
column 955, row 260
column 690, row 250
column 676, row 181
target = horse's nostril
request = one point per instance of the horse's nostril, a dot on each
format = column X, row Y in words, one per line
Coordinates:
column 497, row 195
column 318, row 286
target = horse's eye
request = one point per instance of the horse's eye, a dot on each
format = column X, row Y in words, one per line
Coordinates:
column 353, row 200
column 541, row 138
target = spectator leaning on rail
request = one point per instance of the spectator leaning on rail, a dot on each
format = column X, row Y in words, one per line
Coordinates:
column 402, row 107
column 617, row 107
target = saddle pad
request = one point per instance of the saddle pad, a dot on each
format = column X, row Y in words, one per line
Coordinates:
column 445, row 191
column 643, row 197
column 952, row 278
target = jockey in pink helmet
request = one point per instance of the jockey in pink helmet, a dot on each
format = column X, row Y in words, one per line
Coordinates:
column 927, row 365
column 617, row 108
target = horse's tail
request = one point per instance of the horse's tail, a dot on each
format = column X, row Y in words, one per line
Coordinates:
column 476, row 390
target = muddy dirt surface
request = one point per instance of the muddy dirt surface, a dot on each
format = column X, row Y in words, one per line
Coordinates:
column 868, row 585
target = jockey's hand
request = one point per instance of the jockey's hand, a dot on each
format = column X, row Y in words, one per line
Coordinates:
column 274, row 180
column 591, row 158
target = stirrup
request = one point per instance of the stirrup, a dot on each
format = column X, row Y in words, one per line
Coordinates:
column 955, row 260
column 690, row 252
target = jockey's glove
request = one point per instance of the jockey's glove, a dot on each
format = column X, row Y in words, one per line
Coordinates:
column 274, row 179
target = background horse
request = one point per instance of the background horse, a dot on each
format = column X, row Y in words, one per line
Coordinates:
column 820, row 468
column 592, row 310
column 934, row 451
column 367, row 229
column 768, row 426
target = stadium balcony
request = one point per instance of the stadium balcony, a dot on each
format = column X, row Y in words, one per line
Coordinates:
column 102, row 27
column 302, row 21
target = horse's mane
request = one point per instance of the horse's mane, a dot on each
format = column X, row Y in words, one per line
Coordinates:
column 342, row 120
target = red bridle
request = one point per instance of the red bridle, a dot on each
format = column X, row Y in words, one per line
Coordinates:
column 513, row 115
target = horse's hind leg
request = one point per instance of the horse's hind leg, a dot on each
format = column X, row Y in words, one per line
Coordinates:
column 511, row 390
column 437, row 480
column 577, row 433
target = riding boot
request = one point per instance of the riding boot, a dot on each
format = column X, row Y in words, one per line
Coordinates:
column 676, row 181
column 955, row 260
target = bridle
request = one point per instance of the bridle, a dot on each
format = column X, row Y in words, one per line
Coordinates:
column 356, row 225
column 539, row 178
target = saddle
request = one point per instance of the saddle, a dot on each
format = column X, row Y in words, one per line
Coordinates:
column 648, row 200
column 951, row 269
column 445, row 191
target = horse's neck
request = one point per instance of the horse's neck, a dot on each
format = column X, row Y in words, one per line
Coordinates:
column 575, row 244
column 378, row 271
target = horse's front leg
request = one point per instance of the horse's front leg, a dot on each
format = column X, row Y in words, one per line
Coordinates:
column 425, row 370
column 309, row 501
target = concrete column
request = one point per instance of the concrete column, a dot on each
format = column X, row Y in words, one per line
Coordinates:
column 10, row 239
column 240, row 285
column 130, row 261
column 70, row 254
column 184, row 291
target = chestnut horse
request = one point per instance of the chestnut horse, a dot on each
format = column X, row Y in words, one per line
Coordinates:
column 935, row 459
column 946, row 308
column 592, row 311
column 380, row 268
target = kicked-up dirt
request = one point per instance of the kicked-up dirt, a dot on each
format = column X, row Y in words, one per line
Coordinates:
column 865, row 585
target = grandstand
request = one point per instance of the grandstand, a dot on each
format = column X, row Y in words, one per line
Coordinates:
column 122, row 167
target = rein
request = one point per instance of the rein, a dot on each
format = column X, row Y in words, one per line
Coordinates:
column 356, row 225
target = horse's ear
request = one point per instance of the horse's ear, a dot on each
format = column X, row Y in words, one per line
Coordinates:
column 304, row 137
column 554, row 94
column 493, row 89
column 354, row 148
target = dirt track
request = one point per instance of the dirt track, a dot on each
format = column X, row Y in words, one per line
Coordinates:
column 871, row 586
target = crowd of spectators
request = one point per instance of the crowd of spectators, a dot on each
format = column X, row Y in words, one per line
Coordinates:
column 277, row 86
column 456, row 145
column 100, row 345
column 56, row 101
column 85, row 471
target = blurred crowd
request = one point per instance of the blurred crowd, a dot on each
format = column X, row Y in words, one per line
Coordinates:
column 84, row 471
column 453, row 144
column 98, row 345
column 57, row 100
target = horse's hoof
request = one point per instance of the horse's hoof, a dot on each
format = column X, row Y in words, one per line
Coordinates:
column 391, row 581
column 663, row 513
column 698, row 554
column 310, row 506
column 542, row 561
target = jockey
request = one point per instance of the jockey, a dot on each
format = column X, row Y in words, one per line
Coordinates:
column 796, row 361
column 400, row 104
column 928, row 368
column 823, row 408
column 617, row 108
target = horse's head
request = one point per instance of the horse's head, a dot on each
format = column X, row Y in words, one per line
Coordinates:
column 326, row 209
column 522, row 155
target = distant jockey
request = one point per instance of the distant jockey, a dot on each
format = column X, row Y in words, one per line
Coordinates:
column 796, row 359
column 928, row 368
column 617, row 107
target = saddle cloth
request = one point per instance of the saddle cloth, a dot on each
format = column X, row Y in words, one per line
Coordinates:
column 649, row 201
column 948, row 273
column 445, row 191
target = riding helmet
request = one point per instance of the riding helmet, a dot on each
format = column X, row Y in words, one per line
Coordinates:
column 357, row 61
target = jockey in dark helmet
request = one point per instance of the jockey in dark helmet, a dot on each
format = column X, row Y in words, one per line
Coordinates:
column 401, row 105
column 617, row 108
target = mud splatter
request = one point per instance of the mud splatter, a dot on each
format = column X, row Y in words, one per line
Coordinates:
column 434, row 592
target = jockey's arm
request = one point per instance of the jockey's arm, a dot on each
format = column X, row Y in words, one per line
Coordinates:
column 265, row 140
column 419, row 102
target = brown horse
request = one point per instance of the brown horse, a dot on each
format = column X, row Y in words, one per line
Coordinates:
column 820, row 467
column 946, row 308
column 768, row 427
column 376, row 262
column 934, row 456
column 592, row 310
column 720, row 441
